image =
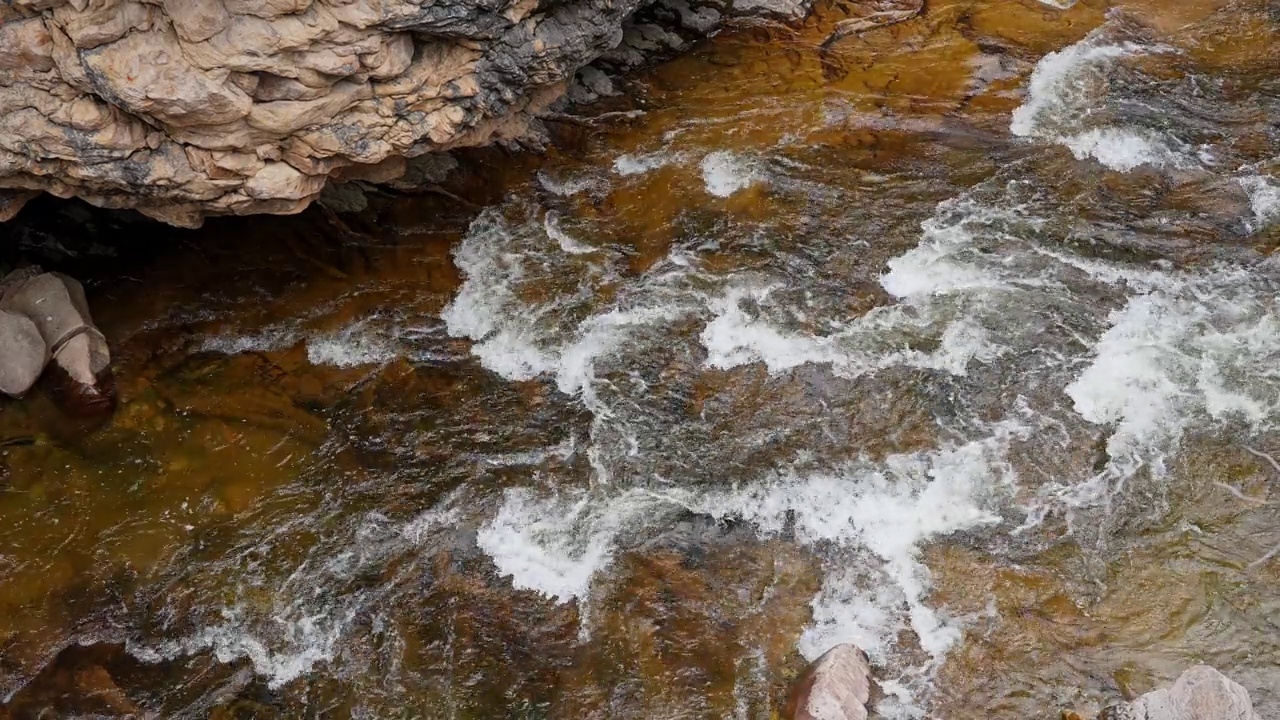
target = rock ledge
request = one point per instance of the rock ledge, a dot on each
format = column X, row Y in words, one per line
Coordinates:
column 189, row 108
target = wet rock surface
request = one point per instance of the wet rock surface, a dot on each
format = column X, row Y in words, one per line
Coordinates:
column 44, row 318
column 304, row 460
column 231, row 107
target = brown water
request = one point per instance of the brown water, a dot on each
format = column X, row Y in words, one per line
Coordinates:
column 818, row 350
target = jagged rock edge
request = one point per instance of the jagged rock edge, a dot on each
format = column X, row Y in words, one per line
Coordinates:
column 184, row 109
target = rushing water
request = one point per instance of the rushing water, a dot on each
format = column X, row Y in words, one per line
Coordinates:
column 954, row 343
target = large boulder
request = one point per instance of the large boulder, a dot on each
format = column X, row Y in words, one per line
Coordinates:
column 836, row 686
column 188, row 108
column 1200, row 693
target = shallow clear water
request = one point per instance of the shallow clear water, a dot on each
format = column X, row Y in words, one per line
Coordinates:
column 952, row 343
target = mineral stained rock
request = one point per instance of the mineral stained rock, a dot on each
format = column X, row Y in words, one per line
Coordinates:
column 189, row 108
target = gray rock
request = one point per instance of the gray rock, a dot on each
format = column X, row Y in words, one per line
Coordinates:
column 348, row 197
column 783, row 9
column 22, row 354
column 55, row 306
column 1200, row 693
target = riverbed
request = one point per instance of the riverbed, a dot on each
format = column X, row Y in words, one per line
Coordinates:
column 959, row 341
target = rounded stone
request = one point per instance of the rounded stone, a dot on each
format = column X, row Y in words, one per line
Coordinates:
column 23, row 354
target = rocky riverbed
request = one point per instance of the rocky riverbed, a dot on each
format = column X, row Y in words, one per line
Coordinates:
column 954, row 340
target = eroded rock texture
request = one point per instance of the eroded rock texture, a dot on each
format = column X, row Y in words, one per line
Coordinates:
column 189, row 108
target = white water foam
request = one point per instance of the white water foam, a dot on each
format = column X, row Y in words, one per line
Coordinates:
column 571, row 186
column 555, row 545
column 567, row 243
column 1193, row 348
column 1068, row 86
column 627, row 165
column 521, row 341
column 890, row 510
column 1122, row 149
column 944, row 263
column 877, row 517
column 868, row 343
column 358, row 344
column 297, row 645
column 1264, row 200
column 484, row 308
column 733, row 338
column 725, row 173
column 268, row 339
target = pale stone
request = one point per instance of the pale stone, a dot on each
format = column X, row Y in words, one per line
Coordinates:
column 26, row 45
column 22, row 354
column 836, row 686
column 1201, row 693
column 285, row 117
column 197, row 20
column 267, row 8
column 282, row 180
column 147, row 73
column 103, row 21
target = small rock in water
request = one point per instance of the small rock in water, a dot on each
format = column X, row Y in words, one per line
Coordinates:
column 836, row 686
column 54, row 305
column 1200, row 693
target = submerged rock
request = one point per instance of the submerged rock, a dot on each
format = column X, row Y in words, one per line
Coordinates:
column 1200, row 693
column 836, row 686
column 189, row 108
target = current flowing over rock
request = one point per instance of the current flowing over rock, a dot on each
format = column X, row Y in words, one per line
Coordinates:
column 189, row 108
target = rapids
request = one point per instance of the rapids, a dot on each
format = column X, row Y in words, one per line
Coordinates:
column 959, row 342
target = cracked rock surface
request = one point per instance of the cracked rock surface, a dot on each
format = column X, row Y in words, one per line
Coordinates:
column 188, row 108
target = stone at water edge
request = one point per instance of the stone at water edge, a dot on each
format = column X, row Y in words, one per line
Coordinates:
column 22, row 354
column 55, row 306
column 836, row 686
column 1200, row 693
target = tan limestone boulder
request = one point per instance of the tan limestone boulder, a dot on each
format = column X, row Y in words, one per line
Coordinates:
column 184, row 109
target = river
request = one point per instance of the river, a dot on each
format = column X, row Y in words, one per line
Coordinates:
column 960, row 341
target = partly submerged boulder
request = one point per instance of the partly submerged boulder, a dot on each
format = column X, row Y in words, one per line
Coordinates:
column 836, row 686
column 1200, row 693
column 22, row 354
column 55, row 307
